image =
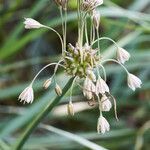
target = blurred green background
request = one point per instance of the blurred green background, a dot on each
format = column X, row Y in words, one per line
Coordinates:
column 24, row 52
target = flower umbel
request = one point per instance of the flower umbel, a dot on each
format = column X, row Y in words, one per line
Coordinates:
column 83, row 61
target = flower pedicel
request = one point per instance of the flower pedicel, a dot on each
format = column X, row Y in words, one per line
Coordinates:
column 82, row 61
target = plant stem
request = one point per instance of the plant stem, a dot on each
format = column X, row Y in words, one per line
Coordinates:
column 61, row 40
column 91, row 31
column 63, row 27
column 86, row 33
column 79, row 20
column 97, row 32
column 65, row 30
column 113, row 60
column 36, row 120
column 57, row 64
column 105, row 38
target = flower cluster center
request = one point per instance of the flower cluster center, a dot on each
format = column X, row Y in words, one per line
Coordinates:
column 79, row 60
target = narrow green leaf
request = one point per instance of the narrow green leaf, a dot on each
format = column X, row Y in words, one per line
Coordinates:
column 73, row 137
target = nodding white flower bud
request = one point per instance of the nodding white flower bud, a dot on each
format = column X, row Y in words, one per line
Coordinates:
column 27, row 95
column 58, row 90
column 122, row 55
column 99, row 2
column 47, row 83
column 88, row 88
column 70, row 109
column 32, row 24
column 89, row 5
column 133, row 81
column 85, row 6
column 96, row 19
column 105, row 103
column 101, row 86
column 91, row 75
column 102, row 125
column 62, row 3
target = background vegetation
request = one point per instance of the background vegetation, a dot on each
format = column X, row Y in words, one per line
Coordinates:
column 24, row 52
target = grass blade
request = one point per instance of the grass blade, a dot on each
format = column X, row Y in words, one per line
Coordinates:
column 73, row 137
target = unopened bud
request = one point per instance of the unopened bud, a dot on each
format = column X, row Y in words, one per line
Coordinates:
column 96, row 19
column 62, row 3
column 32, row 24
column 47, row 83
column 58, row 90
column 70, row 109
column 91, row 75
column 90, row 5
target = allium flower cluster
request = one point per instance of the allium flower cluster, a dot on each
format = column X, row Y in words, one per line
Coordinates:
column 83, row 62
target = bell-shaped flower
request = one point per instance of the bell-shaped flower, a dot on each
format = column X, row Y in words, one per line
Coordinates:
column 27, row 95
column 122, row 55
column 32, row 24
column 133, row 81
column 102, row 125
column 101, row 86
column 105, row 103
column 88, row 88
